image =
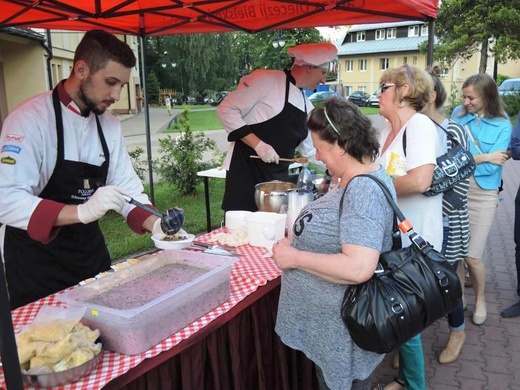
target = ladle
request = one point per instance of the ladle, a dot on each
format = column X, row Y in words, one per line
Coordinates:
column 301, row 160
column 171, row 221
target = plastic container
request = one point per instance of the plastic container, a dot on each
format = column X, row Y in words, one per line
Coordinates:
column 264, row 228
column 236, row 219
column 139, row 306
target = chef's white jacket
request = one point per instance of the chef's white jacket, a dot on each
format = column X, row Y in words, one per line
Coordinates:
column 261, row 96
column 28, row 152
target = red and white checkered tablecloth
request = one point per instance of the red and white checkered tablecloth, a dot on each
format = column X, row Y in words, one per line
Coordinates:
column 252, row 270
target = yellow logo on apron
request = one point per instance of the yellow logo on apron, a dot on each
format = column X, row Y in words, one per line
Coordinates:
column 8, row 160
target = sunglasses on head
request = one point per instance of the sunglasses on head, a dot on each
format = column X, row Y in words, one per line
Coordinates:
column 385, row 86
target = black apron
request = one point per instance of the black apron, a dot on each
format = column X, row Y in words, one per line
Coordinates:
column 35, row 270
column 284, row 132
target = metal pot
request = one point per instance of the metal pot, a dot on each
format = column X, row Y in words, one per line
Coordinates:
column 272, row 195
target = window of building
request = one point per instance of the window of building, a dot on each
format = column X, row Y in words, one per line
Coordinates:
column 405, row 60
column 349, row 65
column 362, row 89
column 362, row 65
column 361, row 36
column 424, row 29
column 349, row 89
column 391, row 33
column 384, row 63
column 414, row 61
column 444, row 72
column 413, row 31
column 380, row 34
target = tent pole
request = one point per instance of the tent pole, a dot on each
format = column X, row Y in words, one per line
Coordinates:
column 431, row 41
column 147, row 116
column 8, row 352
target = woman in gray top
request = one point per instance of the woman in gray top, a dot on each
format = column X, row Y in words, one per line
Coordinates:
column 330, row 251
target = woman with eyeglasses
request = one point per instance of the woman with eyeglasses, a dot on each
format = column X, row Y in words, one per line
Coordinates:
column 410, row 144
column 336, row 241
column 489, row 132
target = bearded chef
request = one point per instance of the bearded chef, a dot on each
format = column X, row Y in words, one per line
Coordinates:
column 267, row 116
column 63, row 165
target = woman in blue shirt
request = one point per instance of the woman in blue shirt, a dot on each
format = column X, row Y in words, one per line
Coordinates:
column 489, row 134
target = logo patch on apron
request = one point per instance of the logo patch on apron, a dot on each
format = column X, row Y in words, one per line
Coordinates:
column 13, row 138
column 11, row 148
column 8, row 160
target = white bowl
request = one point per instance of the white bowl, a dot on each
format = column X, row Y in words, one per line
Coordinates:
column 159, row 243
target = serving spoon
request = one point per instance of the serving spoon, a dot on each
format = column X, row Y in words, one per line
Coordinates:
column 171, row 220
column 301, row 160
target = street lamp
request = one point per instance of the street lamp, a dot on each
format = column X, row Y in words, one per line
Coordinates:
column 164, row 65
column 279, row 42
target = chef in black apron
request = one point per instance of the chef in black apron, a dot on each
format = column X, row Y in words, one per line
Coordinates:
column 52, row 239
column 244, row 111
column 78, row 251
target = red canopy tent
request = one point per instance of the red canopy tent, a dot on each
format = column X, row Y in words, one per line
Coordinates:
column 166, row 17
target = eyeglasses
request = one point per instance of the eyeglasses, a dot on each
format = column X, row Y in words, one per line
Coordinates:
column 385, row 86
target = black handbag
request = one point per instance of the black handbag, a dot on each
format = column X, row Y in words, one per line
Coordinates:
column 452, row 167
column 411, row 289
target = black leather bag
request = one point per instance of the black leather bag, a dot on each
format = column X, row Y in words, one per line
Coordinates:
column 411, row 289
column 452, row 167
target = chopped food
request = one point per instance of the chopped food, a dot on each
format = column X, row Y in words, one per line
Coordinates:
column 173, row 237
column 48, row 348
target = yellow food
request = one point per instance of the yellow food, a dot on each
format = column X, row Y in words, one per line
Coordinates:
column 74, row 348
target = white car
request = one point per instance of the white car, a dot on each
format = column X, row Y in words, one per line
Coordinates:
column 373, row 101
column 509, row 87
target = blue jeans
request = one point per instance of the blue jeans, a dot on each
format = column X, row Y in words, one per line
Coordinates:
column 411, row 364
column 517, row 240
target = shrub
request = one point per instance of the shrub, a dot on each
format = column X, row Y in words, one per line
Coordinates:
column 512, row 103
column 138, row 164
column 181, row 157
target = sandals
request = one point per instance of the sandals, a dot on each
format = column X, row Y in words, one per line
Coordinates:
column 396, row 384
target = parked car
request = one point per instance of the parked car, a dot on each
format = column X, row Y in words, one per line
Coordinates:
column 509, row 87
column 359, row 98
column 220, row 96
column 318, row 98
column 373, row 101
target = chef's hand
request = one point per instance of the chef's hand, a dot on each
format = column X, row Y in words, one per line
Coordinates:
column 266, row 153
column 157, row 229
column 104, row 199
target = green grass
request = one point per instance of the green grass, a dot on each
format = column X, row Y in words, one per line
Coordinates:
column 203, row 120
column 370, row 110
column 124, row 243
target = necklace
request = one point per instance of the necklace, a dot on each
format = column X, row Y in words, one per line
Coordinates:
column 479, row 117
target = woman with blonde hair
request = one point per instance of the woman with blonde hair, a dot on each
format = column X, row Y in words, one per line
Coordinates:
column 410, row 144
column 489, row 132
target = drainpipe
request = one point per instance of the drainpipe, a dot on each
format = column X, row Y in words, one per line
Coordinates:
column 128, row 88
column 48, row 49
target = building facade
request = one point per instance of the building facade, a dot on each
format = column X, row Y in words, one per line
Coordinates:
column 366, row 51
column 33, row 61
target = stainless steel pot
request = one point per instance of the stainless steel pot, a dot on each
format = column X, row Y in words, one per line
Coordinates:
column 271, row 195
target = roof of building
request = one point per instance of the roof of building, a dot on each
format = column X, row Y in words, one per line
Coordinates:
column 377, row 26
column 381, row 46
column 23, row 32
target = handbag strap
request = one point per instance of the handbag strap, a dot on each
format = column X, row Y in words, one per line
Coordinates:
column 475, row 143
column 450, row 136
column 404, row 225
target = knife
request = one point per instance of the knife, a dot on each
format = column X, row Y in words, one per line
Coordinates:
column 214, row 246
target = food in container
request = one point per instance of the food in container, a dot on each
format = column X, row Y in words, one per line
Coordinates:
column 56, row 348
column 176, row 241
column 139, row 306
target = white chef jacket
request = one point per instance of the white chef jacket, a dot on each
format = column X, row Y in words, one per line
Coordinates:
column 261, row 96
column 28, row 153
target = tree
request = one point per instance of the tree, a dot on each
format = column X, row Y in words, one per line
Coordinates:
column 465, row 27
column 256, row 51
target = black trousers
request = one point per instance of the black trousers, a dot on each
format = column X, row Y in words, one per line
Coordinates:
column 517, row 240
